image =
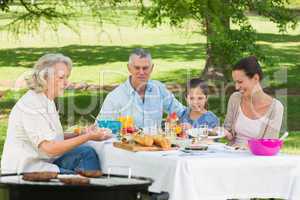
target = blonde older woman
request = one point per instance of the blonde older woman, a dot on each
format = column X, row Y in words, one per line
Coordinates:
column 35, row 139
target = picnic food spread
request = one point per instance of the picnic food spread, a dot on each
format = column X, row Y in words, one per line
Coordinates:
column 143, row 142
column 161, row 141
column 134, row 139
column 173, row 126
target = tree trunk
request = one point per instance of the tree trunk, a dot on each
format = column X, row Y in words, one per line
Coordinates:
column 217, row 22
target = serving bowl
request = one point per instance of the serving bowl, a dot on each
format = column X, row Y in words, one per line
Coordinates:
column 265, row 147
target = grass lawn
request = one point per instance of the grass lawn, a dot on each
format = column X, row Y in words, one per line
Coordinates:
column 76, row 107
column 100, row 56
column 98, row 51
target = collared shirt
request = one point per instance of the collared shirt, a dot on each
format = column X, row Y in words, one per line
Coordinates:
column 125, row 101
column 208, row 118
column 32, row 120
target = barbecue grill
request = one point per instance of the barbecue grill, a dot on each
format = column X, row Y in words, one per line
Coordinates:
column 112, row 187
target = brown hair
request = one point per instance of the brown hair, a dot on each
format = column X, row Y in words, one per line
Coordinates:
column 250, row 66
column 197, row 83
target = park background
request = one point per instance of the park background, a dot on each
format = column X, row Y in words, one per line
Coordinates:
column 100, row 53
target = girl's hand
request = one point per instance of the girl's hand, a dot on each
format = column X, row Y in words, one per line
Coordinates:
column 98, row 134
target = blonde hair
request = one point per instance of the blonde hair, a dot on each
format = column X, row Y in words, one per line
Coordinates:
column 36, row 80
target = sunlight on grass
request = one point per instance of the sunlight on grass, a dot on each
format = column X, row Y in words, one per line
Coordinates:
column 100, row 56
column 292, row 143
column 3, row 128
column 83, row 99
column 101, row 49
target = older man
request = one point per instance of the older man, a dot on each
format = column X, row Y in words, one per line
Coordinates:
column 143, row 99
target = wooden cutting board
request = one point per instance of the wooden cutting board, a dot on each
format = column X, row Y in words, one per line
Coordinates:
column 136, row 147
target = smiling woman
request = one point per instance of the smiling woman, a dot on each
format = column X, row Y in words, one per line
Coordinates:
column 50, row 70
column 35, row 138
column 251, row 113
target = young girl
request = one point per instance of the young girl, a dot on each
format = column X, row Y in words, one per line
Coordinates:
column 196, row 114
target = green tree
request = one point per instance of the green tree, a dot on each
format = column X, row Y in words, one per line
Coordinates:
column 28, row 15
column 215, row 19
column 225, row 45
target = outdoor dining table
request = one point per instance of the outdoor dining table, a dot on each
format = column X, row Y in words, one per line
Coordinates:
column 218, row 173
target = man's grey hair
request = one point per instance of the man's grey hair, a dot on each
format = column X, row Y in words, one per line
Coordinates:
column 36, row 81
column 140, row 53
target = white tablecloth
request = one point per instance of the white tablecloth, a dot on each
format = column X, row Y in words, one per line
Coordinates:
column 217, row 174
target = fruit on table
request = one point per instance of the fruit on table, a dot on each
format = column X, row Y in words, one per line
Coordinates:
column 177, row 129
column 172, row 117
column 129, row 130
column 127, row 121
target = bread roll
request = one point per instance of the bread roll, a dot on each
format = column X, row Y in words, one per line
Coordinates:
column 162, row 142
column 144, row 140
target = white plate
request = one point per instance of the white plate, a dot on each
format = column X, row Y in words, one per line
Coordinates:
column 195, row 132
column 220, row 135
column 235, row 149
column 198, row 132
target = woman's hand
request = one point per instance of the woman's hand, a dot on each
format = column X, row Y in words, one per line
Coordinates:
column 228, row 135
column 57, row 148
column 98, row 134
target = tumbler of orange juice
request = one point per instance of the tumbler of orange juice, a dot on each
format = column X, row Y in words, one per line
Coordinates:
column 127, row 121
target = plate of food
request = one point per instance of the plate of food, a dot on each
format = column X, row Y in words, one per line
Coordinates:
column 206, row 133
column 215, row 133
column 196, row 148
column 236, row 148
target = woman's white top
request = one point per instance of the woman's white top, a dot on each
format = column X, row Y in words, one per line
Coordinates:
column 247, row 128
column 32, row 120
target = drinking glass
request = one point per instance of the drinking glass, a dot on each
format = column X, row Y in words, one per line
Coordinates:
column 202, row 131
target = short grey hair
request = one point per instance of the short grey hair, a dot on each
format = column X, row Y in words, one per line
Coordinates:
column 36, row 80
column 141, row 53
